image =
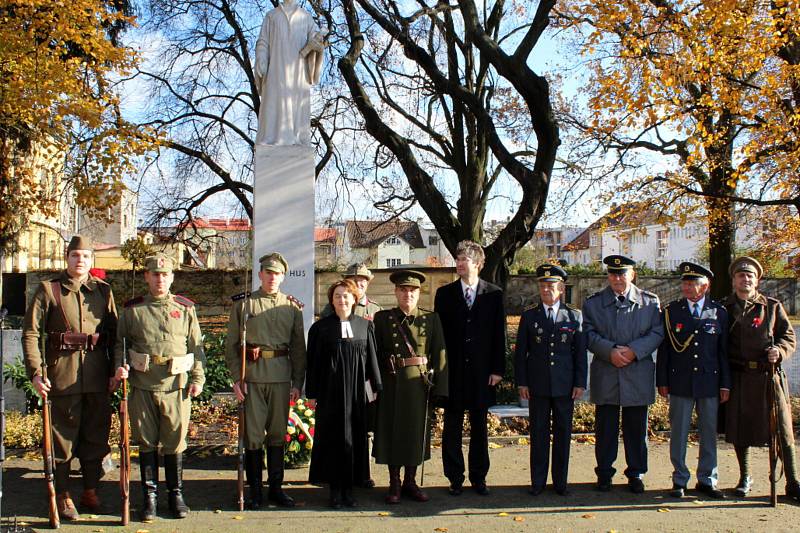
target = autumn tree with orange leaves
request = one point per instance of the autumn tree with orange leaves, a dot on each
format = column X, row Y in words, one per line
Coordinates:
column 59, row 118
column 699, row 102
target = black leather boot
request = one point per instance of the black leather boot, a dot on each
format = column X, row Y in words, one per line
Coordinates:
column 173, row 471
column 254, row 467
column 148, row 464
column 275, row 471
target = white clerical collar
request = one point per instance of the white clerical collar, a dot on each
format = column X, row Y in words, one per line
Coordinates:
column 347, row 331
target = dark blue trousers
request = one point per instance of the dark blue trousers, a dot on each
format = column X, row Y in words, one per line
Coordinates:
column 634, row 437
column 541, row 409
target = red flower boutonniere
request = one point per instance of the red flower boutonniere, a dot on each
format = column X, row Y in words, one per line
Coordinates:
column 175, row 314
column 757, row 321
column 678, row 327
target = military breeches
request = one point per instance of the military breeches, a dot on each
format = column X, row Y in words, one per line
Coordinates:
column 266, row 408
column 160, row 417
column 81, row 425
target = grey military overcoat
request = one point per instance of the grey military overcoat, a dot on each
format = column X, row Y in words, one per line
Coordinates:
column 635, row 322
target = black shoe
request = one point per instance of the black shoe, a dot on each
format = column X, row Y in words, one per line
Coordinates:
column 535, row 490
column 277, row 495
column 480, row 488
column 677, row 491
column 793, row 492
column 254, row 466
column 603, row 485
column 335, row 500
column 368, row 484
column 347, row 498
column 148, row 462
column 275, row 471
column 563, row 491
column 636, row 485
column 744, row 486
column 710, row 491
column 455, row 489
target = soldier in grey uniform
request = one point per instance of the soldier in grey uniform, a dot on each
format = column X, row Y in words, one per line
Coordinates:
column 79, row 318
column 274, row 372
column 361, row 276
column 165, row 366
column 623, row 328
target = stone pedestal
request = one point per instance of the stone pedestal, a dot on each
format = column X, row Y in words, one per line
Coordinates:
column 283, row 217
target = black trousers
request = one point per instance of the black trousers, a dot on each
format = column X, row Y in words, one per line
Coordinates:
column 634, row 438
column 452, row 456
column 541, row 409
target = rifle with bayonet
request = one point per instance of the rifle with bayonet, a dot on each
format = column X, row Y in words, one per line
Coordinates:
column 242, row 373
column 124, row 446
column 47, row 450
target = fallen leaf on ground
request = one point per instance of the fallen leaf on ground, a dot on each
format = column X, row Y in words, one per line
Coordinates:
column 522, row 441
column 502, row 514
column 697, row 502
column 142, row 531
column 440, row 529
column 518, row 519
column 237, row 517
column 383, row 513
column 663, row 510
column 494, row 445
column 217, row 511
column 588, row 515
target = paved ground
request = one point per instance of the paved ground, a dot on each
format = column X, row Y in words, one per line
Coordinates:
column 211, row 487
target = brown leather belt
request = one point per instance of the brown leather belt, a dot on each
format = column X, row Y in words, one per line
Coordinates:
column 749, row 366
column 73, row 342
column 254, row 353
column 402, row 362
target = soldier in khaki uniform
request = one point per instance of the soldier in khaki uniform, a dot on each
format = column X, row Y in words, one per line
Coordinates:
column 760, row 334
column 166, row 369
column 274, row 371
column 361, row 276
column 77, row 314
column 411, row 354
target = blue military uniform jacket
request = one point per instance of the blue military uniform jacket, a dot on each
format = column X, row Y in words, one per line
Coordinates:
column 550, row 357
column 693, row 359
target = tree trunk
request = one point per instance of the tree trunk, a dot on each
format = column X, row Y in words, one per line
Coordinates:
column 721, row 235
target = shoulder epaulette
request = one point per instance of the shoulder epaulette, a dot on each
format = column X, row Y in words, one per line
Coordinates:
column 771, row 299
column 425, row 310
column 183, row 300
column 134, row 301
column 593, row 295
column 295, row 301
column 530, row 307
column 240, row 296
column 651, row 294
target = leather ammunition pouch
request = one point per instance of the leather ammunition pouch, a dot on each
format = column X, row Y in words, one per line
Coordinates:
column 73, row 342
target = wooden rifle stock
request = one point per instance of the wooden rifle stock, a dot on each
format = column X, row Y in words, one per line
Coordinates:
column 124, row 447
column 242, row 373
column 47, row 455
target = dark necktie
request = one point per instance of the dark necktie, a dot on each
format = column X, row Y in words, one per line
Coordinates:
column 696, row 310
column 550, row 316
column 468, row 297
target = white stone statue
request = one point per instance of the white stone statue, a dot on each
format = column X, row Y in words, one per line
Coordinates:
column 289, row 54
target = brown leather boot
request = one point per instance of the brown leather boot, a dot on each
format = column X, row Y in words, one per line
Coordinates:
column 66, row 508
column 410, row 487
column 393, row 496
column 91, row 502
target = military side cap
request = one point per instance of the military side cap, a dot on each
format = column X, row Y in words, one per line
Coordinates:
column 691, row 271
column 274, row 262
column 79, row 242
column 549, row 272
column 358, row 269
column 411, row 278
column 618, row 263
column 746, row 264
column 158, row 263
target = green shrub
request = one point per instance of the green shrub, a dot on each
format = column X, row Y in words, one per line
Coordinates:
column 23, row 430
column 17, row 375
column 218, row 377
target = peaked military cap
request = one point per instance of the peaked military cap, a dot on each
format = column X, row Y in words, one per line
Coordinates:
column 79, row 242
column 618, row 263
column 159, row 263
column 410, row 278
column 358, row 269
column 550, row 272
column 691, row 271
column 746, row 264
column 274, row 262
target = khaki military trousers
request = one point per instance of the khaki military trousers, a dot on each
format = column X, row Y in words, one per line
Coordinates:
column 266, row 409
column 81, row 425
column 160, row 417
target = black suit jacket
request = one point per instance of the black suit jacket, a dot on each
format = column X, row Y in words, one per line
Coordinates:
column 475, row 340
column 551, row 358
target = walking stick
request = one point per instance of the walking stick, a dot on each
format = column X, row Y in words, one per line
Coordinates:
column 124, row 445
